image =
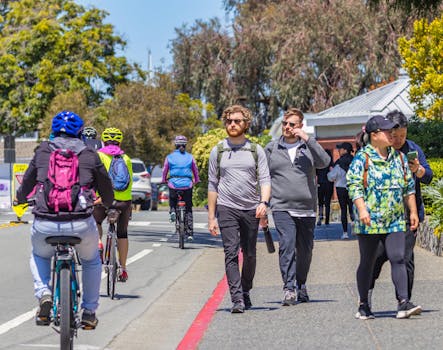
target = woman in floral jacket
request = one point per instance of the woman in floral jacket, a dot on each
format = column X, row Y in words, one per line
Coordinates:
column 379, row 183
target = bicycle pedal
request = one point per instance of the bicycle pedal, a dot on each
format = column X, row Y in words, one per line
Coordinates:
column 42, row 321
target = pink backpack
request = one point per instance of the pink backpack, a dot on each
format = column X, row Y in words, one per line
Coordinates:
column 64, row 177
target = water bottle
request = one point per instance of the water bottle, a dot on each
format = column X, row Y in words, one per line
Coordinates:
column 82, row 200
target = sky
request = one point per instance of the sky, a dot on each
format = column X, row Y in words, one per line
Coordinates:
column 149, row 24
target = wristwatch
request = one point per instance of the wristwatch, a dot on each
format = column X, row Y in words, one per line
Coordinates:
column 265, row 203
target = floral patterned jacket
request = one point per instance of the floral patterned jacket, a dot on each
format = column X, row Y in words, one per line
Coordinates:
column 388, row 182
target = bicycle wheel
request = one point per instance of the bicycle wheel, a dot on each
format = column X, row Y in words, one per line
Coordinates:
column 181, row 229
column 113, row 266
column 66, row 341
column 109, row 269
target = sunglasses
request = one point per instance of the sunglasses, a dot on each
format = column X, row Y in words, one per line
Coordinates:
column 236, row 121
column 292, row 125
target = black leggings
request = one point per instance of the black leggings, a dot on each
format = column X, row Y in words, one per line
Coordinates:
column 394, row 244
column 345, row 205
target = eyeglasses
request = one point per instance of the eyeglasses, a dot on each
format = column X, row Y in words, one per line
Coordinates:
column 292, row 125
column 236, row 121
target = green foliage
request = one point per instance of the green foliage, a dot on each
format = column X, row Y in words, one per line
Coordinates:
column 48, row 47
column 434, row 194
column 423, row 60
column 151, row 115
column 201, row 151
column 309, row 54
column 428, row 134
column 436, row 165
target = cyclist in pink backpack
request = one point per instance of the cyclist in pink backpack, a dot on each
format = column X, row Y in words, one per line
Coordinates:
column 65, row 175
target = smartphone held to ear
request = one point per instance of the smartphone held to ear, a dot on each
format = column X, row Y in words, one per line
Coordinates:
column 412, row 156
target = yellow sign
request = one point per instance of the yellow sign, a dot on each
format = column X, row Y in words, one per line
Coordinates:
column 18, row 171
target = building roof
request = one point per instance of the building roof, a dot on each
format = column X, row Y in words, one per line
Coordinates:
column 393, row 96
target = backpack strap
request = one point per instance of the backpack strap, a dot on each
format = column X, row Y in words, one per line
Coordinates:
column 221, row 149
column 365, row 173
column 403, row 165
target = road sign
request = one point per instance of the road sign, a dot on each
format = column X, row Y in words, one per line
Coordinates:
column 18, row 172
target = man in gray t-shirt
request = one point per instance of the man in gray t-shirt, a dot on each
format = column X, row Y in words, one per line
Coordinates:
column 233, row 194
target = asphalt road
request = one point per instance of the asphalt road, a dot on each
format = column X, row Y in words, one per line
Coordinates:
column 155, row 263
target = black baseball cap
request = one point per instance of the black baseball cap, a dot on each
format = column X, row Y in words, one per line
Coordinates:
column 345, row 145
column 378, row 123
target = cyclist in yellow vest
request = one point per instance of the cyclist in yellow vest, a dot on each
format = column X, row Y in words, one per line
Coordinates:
column 112, row 138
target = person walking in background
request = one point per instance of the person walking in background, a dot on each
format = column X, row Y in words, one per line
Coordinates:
column 183, row 175
column 293, row 161
column 325, row 190
column 115, row 159
column 422, row 173
column 380, row 182
column 237, row 170
column 338, row 176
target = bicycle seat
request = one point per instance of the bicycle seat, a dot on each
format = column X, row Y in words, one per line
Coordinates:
column 55, row 240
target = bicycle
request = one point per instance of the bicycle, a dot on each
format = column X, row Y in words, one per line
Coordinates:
column 181, row 220
column 65, row 289
column 110, row 255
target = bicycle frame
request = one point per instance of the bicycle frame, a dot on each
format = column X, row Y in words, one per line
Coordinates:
column 110, row 259
column 180, row 223
column 65, row 289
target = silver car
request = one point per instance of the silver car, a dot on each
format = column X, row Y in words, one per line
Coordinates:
column 141, row 185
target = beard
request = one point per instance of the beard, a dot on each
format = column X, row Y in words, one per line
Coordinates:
column 235, row 132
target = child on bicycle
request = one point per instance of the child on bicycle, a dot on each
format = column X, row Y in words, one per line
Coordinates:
column 58, row 221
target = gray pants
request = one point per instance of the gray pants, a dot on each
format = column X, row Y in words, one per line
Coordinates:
column 296, row 243
column 238, row 228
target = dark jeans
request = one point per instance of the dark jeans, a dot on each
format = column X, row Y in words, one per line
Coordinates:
column 296, row 243
column 394, row 244
column 187, row 197
column 238, row 228
column 345, row 206
column 324, row 194
column 410, row 237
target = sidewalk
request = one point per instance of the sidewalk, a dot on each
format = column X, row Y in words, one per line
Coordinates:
column 326, row 322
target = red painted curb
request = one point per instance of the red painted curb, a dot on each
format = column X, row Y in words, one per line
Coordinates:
column 201, row 322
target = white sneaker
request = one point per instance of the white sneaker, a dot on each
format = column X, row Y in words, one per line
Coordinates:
column 345, row 235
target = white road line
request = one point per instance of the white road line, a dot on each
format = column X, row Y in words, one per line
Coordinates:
column 139, row 223
column 7, row 326
column 136, row 257
column 155, row 245
column 55, row 346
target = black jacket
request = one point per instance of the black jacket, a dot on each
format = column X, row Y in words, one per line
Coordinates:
column 92, row 176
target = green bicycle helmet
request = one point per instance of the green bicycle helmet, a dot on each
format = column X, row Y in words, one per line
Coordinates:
column 112, row 134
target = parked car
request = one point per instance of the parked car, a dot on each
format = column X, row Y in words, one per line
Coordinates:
column 141, row 185
column 156, row 174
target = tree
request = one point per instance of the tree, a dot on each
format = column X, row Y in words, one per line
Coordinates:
column 151, row 115
column 48, row 47
column 423, row 60
column 309, row 54
column 421, row 7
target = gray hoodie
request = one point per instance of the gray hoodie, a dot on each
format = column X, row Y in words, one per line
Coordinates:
column 293, row 185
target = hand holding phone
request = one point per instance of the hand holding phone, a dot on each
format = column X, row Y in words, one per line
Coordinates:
column 412, row 156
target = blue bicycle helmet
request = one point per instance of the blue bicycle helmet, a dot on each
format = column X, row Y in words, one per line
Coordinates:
column 67, row 122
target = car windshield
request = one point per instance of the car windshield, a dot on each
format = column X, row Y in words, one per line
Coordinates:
column 138, row 167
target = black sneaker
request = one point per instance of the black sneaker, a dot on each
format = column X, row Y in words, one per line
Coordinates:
column 247, row 300
column 43, row 316
column 238, row 307
column 364, row 312
column 407, row 309
column 89, row 321
column 288, row 298
column 302, row 294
